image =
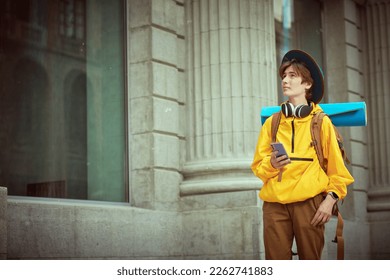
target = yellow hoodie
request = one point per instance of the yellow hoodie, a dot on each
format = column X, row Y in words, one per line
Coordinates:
column 303, row 178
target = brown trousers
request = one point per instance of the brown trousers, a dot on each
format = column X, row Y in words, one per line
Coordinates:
column 283, row 222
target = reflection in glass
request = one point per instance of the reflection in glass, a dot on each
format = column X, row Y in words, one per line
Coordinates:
column 62, row 99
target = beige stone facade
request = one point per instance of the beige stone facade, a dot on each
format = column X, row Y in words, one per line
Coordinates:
column 198, row 73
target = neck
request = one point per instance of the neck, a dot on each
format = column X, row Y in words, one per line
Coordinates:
column 298, row 100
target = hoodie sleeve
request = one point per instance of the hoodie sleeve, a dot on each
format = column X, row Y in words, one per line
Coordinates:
column 261, row 165
column 339, row 176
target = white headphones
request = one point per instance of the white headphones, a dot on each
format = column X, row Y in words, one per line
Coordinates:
column 300, row 111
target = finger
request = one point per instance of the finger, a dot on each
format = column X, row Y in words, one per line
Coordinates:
column 316, row 219
column 325, row 218
column 273, row 160
column 319, row 218
column 280, row 158
column 284, row 160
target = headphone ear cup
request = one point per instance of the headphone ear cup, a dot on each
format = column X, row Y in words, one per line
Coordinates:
column 302, row 111
column 288, row 109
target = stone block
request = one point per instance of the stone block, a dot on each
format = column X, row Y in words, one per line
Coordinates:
column 140, row 75
column 140, row 50
column 221, row 200
column 165, row 115
column 240, row 232
column 356, row 236
column 203, row 232
column 222, row 234
column 164, row 14
column 353, row 58
column 360, row 174
column 181, row 53
column 40, row 231
column 166, row 185
column 359, row 133
column 140, row 12
column 350, row 11
column 82, row 230
column 181, row 87
column 3, row 223
column 182, row 131
column 142, row 150
column 359, row 156
column 164, row 46
column 180, row 20
column 354, row 81
column 141, row 115
column 142, row 188
column 360, row 197
column 380, row 245
column 351, row 33
column 165, row 80
column 166, row 151
column 354, row 97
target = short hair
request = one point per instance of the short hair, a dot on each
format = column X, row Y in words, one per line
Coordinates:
column 302, row 71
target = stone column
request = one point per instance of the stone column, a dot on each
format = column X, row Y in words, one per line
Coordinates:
column 3, row 223
column 377, row 47
column 156, row 100
column 231, row 74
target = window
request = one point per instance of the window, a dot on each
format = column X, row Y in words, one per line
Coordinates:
column 298, row 25
column 71, row 18
column 62, row 99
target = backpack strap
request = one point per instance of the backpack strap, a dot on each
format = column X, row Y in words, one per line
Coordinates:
column 316, row 140
column 339, row 239
column 315, row 129
column 275, row 125
column 340, row 141
column 274, row 129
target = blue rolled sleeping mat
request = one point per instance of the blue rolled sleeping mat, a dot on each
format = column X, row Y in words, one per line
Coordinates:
column 341, row 114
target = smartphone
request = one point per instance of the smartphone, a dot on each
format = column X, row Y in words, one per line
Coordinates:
column 280, row 148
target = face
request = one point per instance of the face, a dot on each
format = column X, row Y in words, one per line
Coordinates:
column 292, row 85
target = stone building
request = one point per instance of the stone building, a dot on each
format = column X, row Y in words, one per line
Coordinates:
column 127, row 127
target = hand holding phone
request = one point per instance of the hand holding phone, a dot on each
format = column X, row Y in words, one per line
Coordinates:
column 280, row 148
column 280, row 159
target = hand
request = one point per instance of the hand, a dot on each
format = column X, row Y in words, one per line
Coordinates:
column 279, row 162
column 324, row 212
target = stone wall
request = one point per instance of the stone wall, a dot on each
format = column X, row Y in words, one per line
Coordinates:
column 53, row 229
column 196, row 85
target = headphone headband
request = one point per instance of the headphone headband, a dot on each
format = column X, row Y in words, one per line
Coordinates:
column 301, row 111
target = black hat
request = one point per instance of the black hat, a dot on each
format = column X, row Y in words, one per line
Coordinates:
column 315, row 71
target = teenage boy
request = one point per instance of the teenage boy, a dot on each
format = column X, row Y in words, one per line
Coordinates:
column 298, row 195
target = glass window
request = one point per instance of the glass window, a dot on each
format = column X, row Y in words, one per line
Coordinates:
column 62, row 99
column 298, row 25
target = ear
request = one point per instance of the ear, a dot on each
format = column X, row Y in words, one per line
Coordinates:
column 308, row 86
